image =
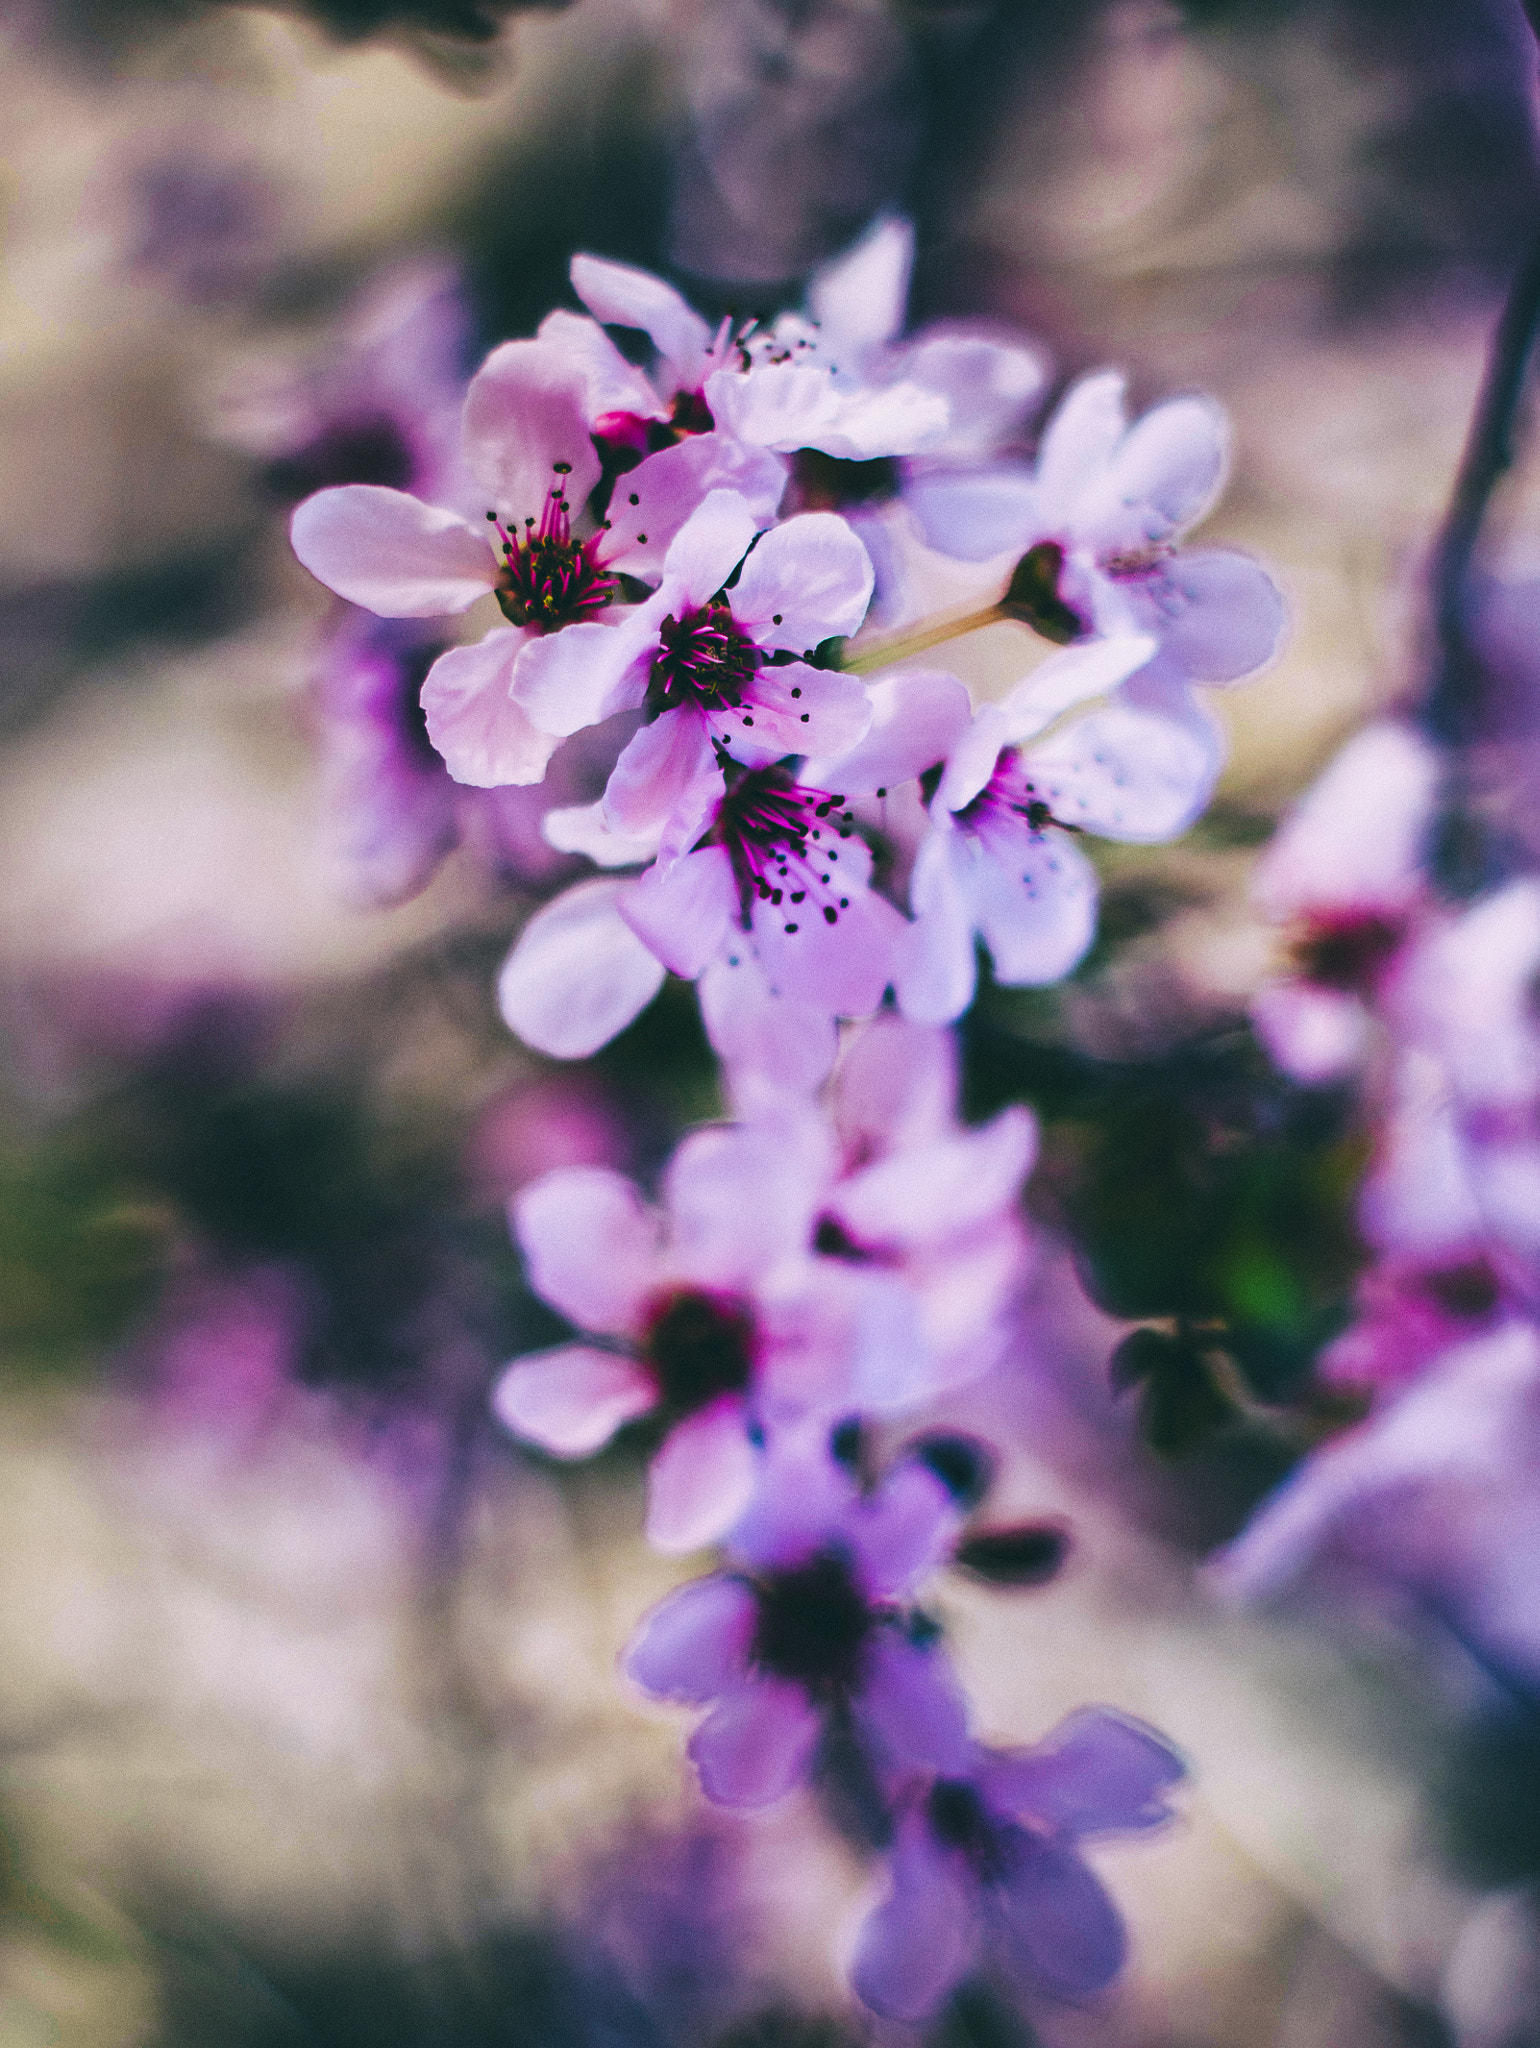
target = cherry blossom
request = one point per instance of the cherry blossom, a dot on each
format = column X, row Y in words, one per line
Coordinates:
column 710, row 1314
column 989, row 1855
column 810, row 1626
column 1094, row 524
column 713, row 658
column 1000, row 858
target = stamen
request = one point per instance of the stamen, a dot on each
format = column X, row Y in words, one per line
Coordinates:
column 550, row 580
column 766, row 825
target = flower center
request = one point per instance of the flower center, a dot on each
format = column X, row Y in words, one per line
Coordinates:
column 699, row 1346
column 959, row 1820
column 704, row 658
column 1008, row 795
column 549, row 579
column 1347, row 950
column 813, row 1624
column 783, row 842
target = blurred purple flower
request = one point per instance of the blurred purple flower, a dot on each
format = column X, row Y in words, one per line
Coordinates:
column 989, row 1855
column 811, row 1627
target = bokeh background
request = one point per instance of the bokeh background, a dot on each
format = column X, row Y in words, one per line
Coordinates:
column 310, row 1730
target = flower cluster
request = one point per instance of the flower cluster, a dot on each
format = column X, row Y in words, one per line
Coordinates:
column 684, row 562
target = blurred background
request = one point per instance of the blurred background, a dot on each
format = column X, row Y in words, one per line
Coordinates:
column 309, row 1718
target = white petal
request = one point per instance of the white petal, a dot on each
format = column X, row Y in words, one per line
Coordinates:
column 1039, row 917
column 702, row 1478
column 582, row 828
column 1126, row 773
column 1221, row 616
column 972, row 514
column 766, row 1041
column 486, row 739
column 1163, row 477
column 573, row 1400
column 590, row 1246
column 787, row 406
column 652, row 502
column 917, row 717
column 611, row 384
column 683, row 912
column 1079, row 441
column 578, row 974
column 859, row 298
column 937, row 969
column 1069, row 678
column 525, row 414
column 807, row 580
column 586, row 673
column 391, row 553
column 623, row 296
column 707, row 549
column 989, row 382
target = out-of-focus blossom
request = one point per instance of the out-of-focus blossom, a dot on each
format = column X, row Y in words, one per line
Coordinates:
column 812, row 1627
column 999, row 858
column 715, row 1315
column 768, row 388
column 1408, row 1313
column 1095, row 524
column 989, row 1857
column 1346, row 877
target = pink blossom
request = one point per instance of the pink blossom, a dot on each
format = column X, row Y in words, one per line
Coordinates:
column 990, row 1855
column 811, row 1624
column 1000, row 860
column 764, row 387
column 1345, row 877
column 1100, row 514
column 710, row 1312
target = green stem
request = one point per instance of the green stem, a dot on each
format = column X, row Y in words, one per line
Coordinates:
column 901, row 646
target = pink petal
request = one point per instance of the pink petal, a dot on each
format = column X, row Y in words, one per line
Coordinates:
column 1163, row 477
column 662, row 765
column 917, row 717
column 526, row 412
column 391, row 553
column 1127, row 773
column 590, row 1246
column 905, row 1532
column 787, row 406
column 975, row 514
column 1069, row 678
column 740, row 1199
column 813, row 575
column 920, row 1940
column 582, row 828
column 756, row 1744
column 669, row 485
column 989, row 384
column 796, row 709
column 1079, row 440
column 484, row 736
column 573, row 1400
column 1355, row 841
column 695, row 1644
column 622, row 296
column 948, row 1186
column 765, row 1040
column 1314, row 1034
column 683, row 913
column 937, row 970
column 859, row 298
column 702, row 1478
column 896, row 1086
column 1039, row 917
column 1061, row 1929
column 842, row 967
column 1222, row 616
column 578, row 974
column 1099, row 1772
column 610, row 383
column 911, row 1707
column 707, row 549
column 585, row 673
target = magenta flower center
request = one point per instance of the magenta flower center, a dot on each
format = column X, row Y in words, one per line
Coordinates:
column 960, row 1820
column 705, row 659
column 548, row 579
column 813, row 1624
column 699, row 1346
column 1347, row 951
column 1009, row 800
column 784, row 843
